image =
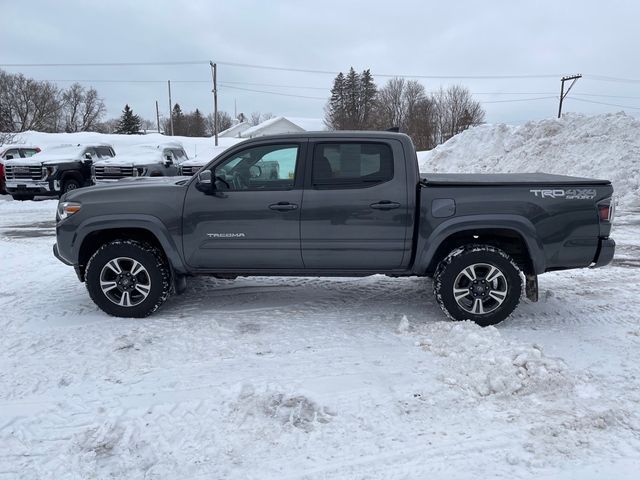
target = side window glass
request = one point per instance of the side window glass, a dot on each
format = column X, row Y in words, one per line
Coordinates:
column 268, row 167
column 28, row 152
column 13, row 153
column 351, row 165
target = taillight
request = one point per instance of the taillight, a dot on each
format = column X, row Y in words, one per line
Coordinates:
column 607, row 210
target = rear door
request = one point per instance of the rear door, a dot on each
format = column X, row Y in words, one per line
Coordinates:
column 355, row 209
column 252, row 221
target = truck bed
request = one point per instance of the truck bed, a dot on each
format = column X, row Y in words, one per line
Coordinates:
column 497, row 179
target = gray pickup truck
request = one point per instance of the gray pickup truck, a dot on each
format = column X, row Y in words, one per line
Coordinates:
column 334, row 204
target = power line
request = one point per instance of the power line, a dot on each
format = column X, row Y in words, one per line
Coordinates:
column 272, row 67
column 606, row 78
column 274, row 93
column 516, row 100
column 106, row 64
column 604, row 103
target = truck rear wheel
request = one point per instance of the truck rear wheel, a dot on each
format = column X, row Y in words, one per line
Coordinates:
column 479, row 283
column 127, row 278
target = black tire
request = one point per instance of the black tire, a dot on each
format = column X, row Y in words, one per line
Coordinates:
column 154, row 276
column 487, row 302
column 69, row 185
column 22, row 198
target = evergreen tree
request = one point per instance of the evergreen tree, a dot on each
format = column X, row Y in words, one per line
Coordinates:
column 179, row 124
column 368, row 94
column 352, row 105
column 352, row 97
column 129, row 124
column 197, row 124
column 335, row 114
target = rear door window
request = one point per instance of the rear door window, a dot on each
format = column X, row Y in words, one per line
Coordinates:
column 351, row 165
column 28, row 152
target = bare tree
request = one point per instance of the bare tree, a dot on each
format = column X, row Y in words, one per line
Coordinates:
column 224, row 122
column 391, row 103
column 254, row 119
column 82, row 109
column 405, row 104
column 6, row 138
column 27, row 104
column 456, row 110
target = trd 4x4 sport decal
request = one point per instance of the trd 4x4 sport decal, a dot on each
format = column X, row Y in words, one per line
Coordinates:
column 570, row 194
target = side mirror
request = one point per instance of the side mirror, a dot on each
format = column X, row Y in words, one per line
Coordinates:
column 204, row 182
column 87, row 156
column 9, row 157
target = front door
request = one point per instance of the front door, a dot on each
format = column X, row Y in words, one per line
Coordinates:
column 252, row 219
column 355, row 213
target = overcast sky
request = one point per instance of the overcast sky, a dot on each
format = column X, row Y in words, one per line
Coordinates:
column 445, row 38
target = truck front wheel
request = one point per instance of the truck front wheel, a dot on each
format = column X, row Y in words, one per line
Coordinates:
column 127, row 278
column 69, row 185
column 479, row 283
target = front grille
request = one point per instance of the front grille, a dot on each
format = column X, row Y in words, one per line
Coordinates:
column 189, row 171
column 113, row 173
column 23, row 172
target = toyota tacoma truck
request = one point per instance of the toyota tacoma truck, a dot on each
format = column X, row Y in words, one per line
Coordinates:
column 334, row 204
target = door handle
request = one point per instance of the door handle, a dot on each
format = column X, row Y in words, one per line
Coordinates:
column 385, row 205
column 283, row 206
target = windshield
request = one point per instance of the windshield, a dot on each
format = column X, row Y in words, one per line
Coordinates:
column 71, row 150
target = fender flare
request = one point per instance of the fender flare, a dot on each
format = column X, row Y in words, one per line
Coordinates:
column 145, row 222
column 516, row 223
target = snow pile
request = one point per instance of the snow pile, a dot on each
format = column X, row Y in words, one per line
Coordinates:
column 601, row 146
column 480, row 362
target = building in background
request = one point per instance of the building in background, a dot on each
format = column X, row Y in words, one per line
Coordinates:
column 273, row 126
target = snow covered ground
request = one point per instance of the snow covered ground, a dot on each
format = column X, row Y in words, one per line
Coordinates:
column 317, row 378
column 314, row 378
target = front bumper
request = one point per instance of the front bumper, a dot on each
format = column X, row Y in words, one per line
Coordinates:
column 606, row 250
column 56, row 254
column 32, row 187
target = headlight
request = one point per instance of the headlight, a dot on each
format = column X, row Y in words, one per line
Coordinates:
column 139, row 171
column 49, row 172
column 66, row 209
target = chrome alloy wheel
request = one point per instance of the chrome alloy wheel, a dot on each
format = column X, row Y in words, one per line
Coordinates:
column 125, row 282
column 480, row 288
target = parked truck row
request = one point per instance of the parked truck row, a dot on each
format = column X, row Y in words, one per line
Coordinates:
column 27, row 172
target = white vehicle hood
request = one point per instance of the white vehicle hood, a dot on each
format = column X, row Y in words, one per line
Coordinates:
column 128, row 161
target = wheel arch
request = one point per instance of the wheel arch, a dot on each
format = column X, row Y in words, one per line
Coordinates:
column 100, row 230
column 514, row 235
column 67, row 175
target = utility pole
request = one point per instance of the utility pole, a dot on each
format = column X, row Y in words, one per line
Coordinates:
column 170, row 108
column 563, row 94
column 157, row 116
column 214, row 78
